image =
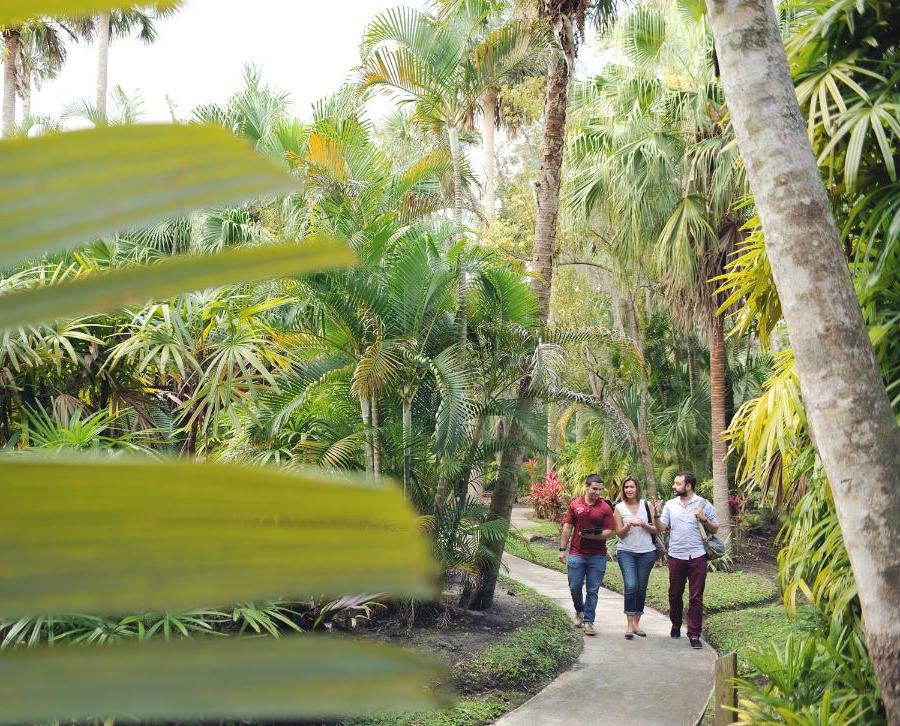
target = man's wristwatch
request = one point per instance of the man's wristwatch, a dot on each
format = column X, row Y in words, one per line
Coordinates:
column 563, row 549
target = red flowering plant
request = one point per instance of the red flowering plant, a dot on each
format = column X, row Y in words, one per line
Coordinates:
column 549, row 498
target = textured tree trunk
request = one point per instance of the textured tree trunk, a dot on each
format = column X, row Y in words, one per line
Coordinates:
column 376, row 441
column 854, row 429
column 103, row 32
column 489, row 121
column 547, row 195
column 26, row 97
column 366, row 413
column 10, row 66
column 406, row 403
column 548, row 183
column 629, row 313
column 456, row 157
column 552, row 434
column 717, row 424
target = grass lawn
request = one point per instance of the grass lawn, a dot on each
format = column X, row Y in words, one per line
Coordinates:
column 724, row 590
column 741, row 630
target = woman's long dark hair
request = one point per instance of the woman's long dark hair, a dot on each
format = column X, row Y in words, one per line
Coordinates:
column 637, row 486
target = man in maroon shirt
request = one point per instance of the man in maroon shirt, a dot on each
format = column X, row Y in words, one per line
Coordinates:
column 588, row 524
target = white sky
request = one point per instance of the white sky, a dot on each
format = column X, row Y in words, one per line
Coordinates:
column 304, row 47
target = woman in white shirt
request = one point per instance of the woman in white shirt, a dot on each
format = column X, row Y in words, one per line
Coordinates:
column 636, row 551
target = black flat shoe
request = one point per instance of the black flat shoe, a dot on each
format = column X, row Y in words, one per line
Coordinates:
column 629, row 636
column 676, row 631
column 696, row 644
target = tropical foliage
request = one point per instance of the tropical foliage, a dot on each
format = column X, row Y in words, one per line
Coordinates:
column 293, row 297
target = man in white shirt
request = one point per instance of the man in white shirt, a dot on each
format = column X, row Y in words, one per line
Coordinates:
column 683, row 516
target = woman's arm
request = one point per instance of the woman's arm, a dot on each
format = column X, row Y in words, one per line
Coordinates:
column 650, row 526
column 621, row 528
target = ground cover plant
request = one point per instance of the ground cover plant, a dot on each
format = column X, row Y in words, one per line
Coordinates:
column 500, row 676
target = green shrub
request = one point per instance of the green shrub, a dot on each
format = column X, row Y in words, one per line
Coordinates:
column 468, row 712
column 527, row 656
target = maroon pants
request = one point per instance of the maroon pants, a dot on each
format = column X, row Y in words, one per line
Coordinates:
column 693, row 572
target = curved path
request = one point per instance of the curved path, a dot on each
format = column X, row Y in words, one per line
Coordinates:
column 640, row 682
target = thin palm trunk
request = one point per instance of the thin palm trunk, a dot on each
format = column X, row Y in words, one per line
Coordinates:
column 406, row 403
column 365, row 409
column 103, row 33
column 718, row 424
column 489, row 125
column 548, row 183
column 376, row 440
column 552, row 435
column 547, row 196
column 856, row 434
column 26, row 96
column 11, row 41
column 629, row 313
column 456, row 157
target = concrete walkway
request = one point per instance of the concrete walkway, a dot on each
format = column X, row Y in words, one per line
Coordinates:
column 640, row 682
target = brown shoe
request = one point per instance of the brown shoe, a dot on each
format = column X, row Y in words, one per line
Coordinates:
column 579, row 619
column 588, row 629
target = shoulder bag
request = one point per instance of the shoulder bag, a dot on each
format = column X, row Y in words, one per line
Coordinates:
column 714, row 547
column 656, row 539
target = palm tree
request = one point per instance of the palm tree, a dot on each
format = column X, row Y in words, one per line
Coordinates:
column 665, row 140
column 12, row 40
column 566, row 20
column 444, row 66
column 856, row 433
column 121, row 23
column 41, row 55
column 490, row 108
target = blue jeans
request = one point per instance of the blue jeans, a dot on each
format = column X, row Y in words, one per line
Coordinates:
column 590, row 568
column 636, row 567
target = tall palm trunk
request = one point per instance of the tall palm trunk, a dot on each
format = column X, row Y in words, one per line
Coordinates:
column 629, row 313
column 26, row 96
column 553, row 439
column 376, row 440
column 11, row 41
column 849, row 412
column 548, row 182
column 489, row 125
column 718, row 423
column 547, row 195
column 406, row 404
column 456, row 158
column 103, row 33
column 365, row 409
